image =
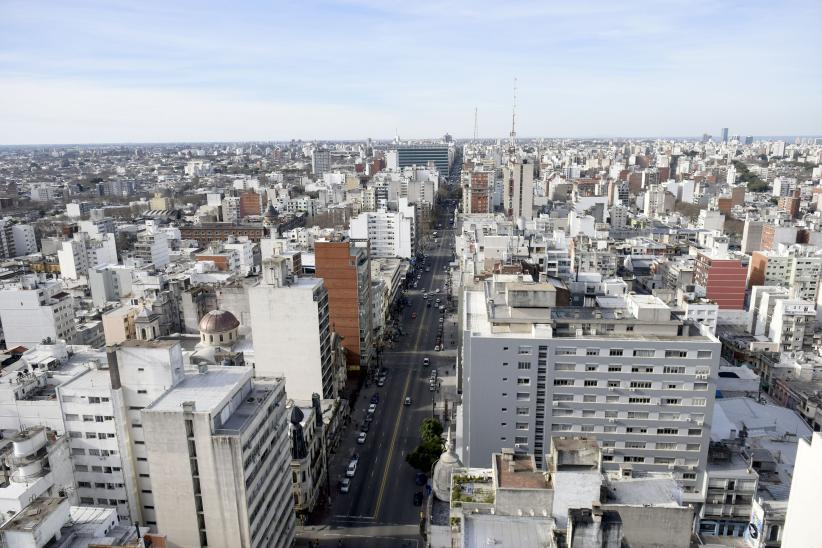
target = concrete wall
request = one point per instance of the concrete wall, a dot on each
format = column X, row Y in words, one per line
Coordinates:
column 802, row 524
column 654, row 527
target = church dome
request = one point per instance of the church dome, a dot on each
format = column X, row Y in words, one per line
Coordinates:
column 218, row 321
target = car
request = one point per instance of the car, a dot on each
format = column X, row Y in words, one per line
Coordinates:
column 375, row 399
column 437, row 301
column 442, row 309
column 381, row 382
column 425, row 296
column 365, row 426
column 345, row 485
column 434, row 373
column 355, row 458
column 436, row 348
column 415, row 286
column 437, row 290
column 361, row 438
column 420, row 478
column 432, row 386
column 407, row 401
column 441, row 320
column 426, row 362
column 372, row 408
column 428, row 305
column 413, row 315
column 352, row 469
column 427, row 269
column 418, row 498
column 369, row 417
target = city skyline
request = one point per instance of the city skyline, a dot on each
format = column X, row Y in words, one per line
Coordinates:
column 117, row 73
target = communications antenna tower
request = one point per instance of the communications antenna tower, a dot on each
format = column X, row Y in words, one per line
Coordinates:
column 512, row 144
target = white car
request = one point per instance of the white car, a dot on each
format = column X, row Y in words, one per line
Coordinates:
column 407, row 401
column 345, row 485
column 436, row 348
column 437, row 290
column 372, row 408
column 352, row 469
column 426, row 362
column 361, row 438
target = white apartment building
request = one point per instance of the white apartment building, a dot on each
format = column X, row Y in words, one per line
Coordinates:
column 109, row 283
column 802, row 524
column 518, row 189
column 217, row 446
column 627, row 372
column 25, row 242
column 388, row 233
column 231, row 209
column 35, row 310
column 152, row 248
column 290, row 328
column 82, row 252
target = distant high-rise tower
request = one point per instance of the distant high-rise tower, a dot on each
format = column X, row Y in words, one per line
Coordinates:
column 724, row 135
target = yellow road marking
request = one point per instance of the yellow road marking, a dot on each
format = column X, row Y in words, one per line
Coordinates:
column 422, row 319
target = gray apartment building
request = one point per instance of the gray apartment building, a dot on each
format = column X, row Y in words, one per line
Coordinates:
column 626, row 372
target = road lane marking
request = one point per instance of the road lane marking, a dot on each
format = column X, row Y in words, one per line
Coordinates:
column 411, row 369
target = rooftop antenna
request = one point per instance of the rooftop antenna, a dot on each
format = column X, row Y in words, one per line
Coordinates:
column 512, row 144
column 475, row 124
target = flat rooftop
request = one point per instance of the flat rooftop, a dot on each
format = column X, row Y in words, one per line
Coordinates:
column 516, row 471
column 210, row 390
column 506, row 531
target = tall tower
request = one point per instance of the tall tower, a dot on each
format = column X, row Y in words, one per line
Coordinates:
column 512, row 143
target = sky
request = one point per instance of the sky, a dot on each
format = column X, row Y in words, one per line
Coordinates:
column 86, row 71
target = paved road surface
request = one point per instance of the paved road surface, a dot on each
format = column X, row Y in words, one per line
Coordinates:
column 379, row 510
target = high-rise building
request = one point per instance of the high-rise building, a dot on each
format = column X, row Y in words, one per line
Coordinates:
column 420, row 155
column 320, row 161
column 34, row 310
column 389, row 234
column 477, row 190
column 802, row 524
column 724, row 134
column 518, row 189
column 627, row 371
column 291, row 330
column 217, row 447
column 346, row 272
column 109, row 283
column 723, row 278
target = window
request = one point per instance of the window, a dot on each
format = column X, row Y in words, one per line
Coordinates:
column 640, row 384
column 142, row 391
column 563, row 382
column 613, row 384
column 592, row 352
column 590, row 383
column 93, row 399
column 611, row 399
column 523, row 381
column 523, row 396
column 587, row 427
column 635, row 445
column 564, row 367
column 673, row 370
column 614, row 368
column 689, row 476
column 638, row 414
column 671, row 401
column 522, row 410
column 524, row 350
column 644, row 353
column 91, row 435
column 588, row 413
column 521, row 440
column 693, row 447
column 643, row 401
column 563, row 397
column 524, row 365
column 667, row 431
column 504, row 409
column 700, row 386
column 522, row 426
column 676, row 353
column 698, row 402
column 666, row 446
column 591, row 367
column 588, row 398
column 704, row 354
column 637, row 369
column 565, row 352
column 631, row 458
column 615, row 352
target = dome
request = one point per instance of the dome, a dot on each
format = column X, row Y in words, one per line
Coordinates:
column 443, row 469
column 218, row 321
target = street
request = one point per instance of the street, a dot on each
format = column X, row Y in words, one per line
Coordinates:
column 379, row 510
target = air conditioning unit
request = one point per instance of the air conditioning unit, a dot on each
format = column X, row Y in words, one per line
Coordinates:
column 612, row 421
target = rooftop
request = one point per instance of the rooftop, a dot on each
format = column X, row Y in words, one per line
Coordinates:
column 516, row 471
column 210, row 390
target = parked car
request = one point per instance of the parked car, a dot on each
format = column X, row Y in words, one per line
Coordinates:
column 345, row 485
column 407, row 401
column 372, row 408
column 352, row 469
column 361, row 438
column 381, row 382
column 426, row 362
column 375, row 399
column 436, row 348
column 413, row 315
